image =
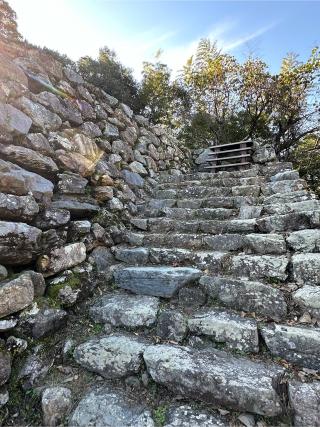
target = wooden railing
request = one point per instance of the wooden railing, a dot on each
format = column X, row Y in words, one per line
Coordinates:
column 234, row 156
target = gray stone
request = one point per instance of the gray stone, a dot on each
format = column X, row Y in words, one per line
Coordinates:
column 285, row 175
column 155, row 281
column 39, row 284
column 7, row 324
column 306, row 269
column 308, row 298
column 191, row 298
column 16, row 345
column 266, row 243
column 60, row 259
column 38, row 142
column 226, row 327
column 17, row 208
column 129, row 135
column 298, row 345
column 264, row 154
column 103, row 259
column 16, row 294
column 45, row 322
column 72, row 183
column 3, row 272
column 126, row 310
column 52, row 218
column 127, row 110
column 114, row 356
column 171, row 326
column 138, row 168
column 104, row 407
column 244, row 295
column 133, row 179
column 138, row 256
column 305, row 401
column 4, row 396
column 304, row 240
column 121, row 148
column 73, row 76
column 91, row 130
column 115, row 204
column 260, row 266
column 33, row 371
column 284, row 223
column 65, row 109
column 78, row 208
column 187, row 416
column 19, row 243
column 250, row 212
column 15, row 180
column 291, row 197
column 42, row 118
column 285, row 186
column 5, row 366
column 13, row 121
column 111, row 131
column 226, row 242
column 217, row 378
column 56, row 404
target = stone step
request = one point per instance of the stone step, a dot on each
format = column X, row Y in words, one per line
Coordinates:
column 288, row 222
column 187, row 214
column 251, row 243
column 245, row 295
column 283, row 186
column 217, row 378
column 211, row 202
column 201, row 192
column 295, row 207
column 270, row 267
column 290, row 197
column 211, row 260
column 196, row 176
column 229, row 328
column 165, row 225
column 298, row 345
column 161, row 281
column 211, row 182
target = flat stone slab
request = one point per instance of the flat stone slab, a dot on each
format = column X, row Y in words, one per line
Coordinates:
column 266, row 243
column 226, row 327
column 260, row 266
column 217, row 378
column 126, row 310
column 298, row 345
column 246, row 295
column 155, row 281
column 62, row 258
column 114, row 356
column 105, row 407
column 304, row 399
column 186, row 416
column 305, row 240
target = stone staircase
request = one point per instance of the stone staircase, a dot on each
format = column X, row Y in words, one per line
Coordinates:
column 216, row 300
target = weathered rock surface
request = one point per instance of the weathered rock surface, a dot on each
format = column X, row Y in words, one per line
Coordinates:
column 266, row 243
column 56, row 403
column 226, row 327
column 305, row 401
column 245, row 295
column 16, row 294
column 13, row 121
column 306, row 269
column 126, row 310
column 186, row 416
column 156, row 281
column 60, row 259
column 15, row 180
column 171, row 326
column 217, row 378
column 19, row 243
column 263, row 266
column 45, row 322
column 106, row 407
column 115, row 356
column 305, row 240
column 5, row 366
column 308, row 298
column 52, row 218
column 17, row 208
column 296, row 344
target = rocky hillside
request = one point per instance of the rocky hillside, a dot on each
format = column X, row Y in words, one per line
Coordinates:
column 135, row 291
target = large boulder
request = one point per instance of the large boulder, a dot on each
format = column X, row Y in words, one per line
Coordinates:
column 217, row 378
column 19, row 243
column 62, row 258
column 13, row 122
column 306, row 269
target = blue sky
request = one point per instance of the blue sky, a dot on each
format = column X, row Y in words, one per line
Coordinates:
column 137, row 29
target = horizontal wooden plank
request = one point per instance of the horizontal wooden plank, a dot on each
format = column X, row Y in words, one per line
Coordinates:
column 227, row 166
column 217, row 159
column 248, row 143
column 231, row 151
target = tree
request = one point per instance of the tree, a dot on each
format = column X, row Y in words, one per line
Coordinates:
column 8, row 23
column 110, row 75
